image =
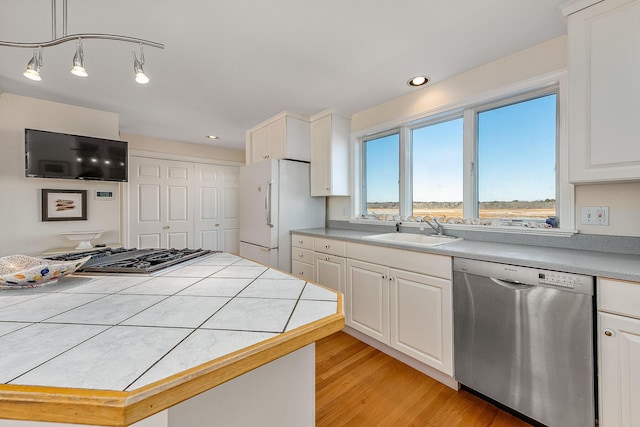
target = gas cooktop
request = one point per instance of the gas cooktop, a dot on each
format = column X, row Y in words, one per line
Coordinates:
column 120, row 260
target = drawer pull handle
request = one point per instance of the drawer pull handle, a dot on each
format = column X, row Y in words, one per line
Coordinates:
column 384, row 277
column 301, row 241
column 326, row 258
column 326, row 246
column 608, row 332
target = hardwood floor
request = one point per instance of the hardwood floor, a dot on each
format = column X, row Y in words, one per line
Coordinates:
column 357, row 385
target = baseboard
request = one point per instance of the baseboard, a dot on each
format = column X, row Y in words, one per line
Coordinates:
column 407, row 360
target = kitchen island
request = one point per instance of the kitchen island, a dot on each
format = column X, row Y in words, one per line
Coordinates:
column 228, row 337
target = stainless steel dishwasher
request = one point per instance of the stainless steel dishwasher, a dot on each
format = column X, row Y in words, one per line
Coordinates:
column 524, row 337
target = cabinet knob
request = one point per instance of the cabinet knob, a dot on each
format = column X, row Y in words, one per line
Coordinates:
column 166, row 227
column 301, row 256
column 328, row 188
column 608, row 332
column 326, row 246
column 391, row 278
column 326, row 258
column 301, row 241
column 384, row 277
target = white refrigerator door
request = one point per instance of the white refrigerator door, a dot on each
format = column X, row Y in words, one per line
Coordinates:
column 259, row 203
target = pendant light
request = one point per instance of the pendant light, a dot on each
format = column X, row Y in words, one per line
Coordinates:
column 78, row 61
column 141, row 77
column 33, row 67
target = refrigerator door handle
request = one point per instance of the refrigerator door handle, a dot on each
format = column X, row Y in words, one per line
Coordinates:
column 268, row 204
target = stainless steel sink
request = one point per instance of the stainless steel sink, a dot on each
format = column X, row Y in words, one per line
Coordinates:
column 413, row 239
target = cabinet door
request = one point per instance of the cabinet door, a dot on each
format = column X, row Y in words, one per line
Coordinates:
column 259, row 144
column 277, row 139
column 367, row 299
column 321, row 157
column 619, row 347
column 421, row 318
column 331, row 271
column 604, row 93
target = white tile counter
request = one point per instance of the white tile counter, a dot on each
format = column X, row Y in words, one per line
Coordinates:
column 129, row 335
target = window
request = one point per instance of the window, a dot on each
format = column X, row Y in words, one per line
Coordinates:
column 381, row 190
column 490, row 164
column 516, row 160
column 437, row 169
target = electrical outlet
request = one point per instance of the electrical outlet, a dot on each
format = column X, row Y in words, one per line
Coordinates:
column 598, row 215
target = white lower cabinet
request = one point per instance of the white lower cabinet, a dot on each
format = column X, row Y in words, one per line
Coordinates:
column 330, row 271
column 408, row 311
column 401, row 298
column 619, row 353
column 367, row 299
column 421, row 318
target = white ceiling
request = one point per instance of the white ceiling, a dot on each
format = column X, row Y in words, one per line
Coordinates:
column 228, row 65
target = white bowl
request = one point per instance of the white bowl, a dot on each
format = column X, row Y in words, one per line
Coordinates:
column 21, row 271
column 83, row 237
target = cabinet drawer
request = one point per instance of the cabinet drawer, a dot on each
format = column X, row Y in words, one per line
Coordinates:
column 302, row 270
column 302, row 255
column 618, row 296
column 329, row 246
column 300, row 241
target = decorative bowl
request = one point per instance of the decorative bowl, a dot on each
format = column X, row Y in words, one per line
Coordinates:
column 83, row 238
column 21, row 271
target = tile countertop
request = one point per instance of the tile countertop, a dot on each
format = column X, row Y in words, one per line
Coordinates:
column 137, row 337
column 593, row 263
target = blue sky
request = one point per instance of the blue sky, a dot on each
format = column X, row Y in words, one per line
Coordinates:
column 516, row 157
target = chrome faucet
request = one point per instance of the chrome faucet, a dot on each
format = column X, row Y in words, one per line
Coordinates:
column 438, row 227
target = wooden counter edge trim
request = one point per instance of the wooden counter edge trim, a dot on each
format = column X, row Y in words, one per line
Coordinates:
column 120, row 408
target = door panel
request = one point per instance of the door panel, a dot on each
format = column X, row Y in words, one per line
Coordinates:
column 216, row 219
column 159, row 203
column 148, row 241
column 149, row 203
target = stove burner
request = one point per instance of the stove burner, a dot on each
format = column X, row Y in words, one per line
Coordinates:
column 134, row 263
column 120, row 260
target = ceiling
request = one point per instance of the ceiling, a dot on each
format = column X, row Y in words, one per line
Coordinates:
column 229, row 65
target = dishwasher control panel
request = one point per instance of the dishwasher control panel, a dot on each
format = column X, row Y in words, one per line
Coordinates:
column 520, row 275
column 554, row 278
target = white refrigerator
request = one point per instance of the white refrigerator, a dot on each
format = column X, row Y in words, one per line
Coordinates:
column 275, row 198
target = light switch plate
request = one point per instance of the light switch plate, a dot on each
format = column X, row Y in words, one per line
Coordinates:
column 595, row 215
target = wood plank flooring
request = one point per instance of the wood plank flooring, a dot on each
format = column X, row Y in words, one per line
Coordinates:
column 357, row 385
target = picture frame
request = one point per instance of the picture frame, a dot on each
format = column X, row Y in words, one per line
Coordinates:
column 64, row 205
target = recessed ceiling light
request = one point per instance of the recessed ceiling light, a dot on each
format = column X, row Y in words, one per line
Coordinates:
column 418, row 81
column 213, row 137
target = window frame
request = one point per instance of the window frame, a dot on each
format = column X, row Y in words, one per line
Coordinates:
column 565, row 198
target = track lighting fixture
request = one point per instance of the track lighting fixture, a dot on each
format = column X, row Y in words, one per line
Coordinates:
column 33, row 67
column 141, row 77
column 78, row 61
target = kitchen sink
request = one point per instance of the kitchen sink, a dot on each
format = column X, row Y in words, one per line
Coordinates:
column 413, row 239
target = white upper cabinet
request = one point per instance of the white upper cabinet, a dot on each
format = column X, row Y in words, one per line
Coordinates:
column 604, row 91
column 285, row 136
column 330, row 134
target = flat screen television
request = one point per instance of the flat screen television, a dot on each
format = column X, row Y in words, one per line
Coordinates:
column 60, row 155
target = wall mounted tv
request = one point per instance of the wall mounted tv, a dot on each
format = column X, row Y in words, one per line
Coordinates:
column 60, row 155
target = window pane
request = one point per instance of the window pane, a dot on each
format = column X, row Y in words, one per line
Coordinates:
column 517, row 160
column 437, row 170
column 381, row 175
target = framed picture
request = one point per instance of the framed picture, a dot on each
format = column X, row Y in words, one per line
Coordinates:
column 64, row 205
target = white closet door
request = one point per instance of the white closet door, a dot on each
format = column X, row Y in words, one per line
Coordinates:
column 216, row 208
column 160, row 203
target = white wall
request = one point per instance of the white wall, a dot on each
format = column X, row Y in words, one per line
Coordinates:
column 21, row 228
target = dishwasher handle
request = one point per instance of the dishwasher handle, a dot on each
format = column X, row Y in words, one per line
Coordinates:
column 510, row 284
